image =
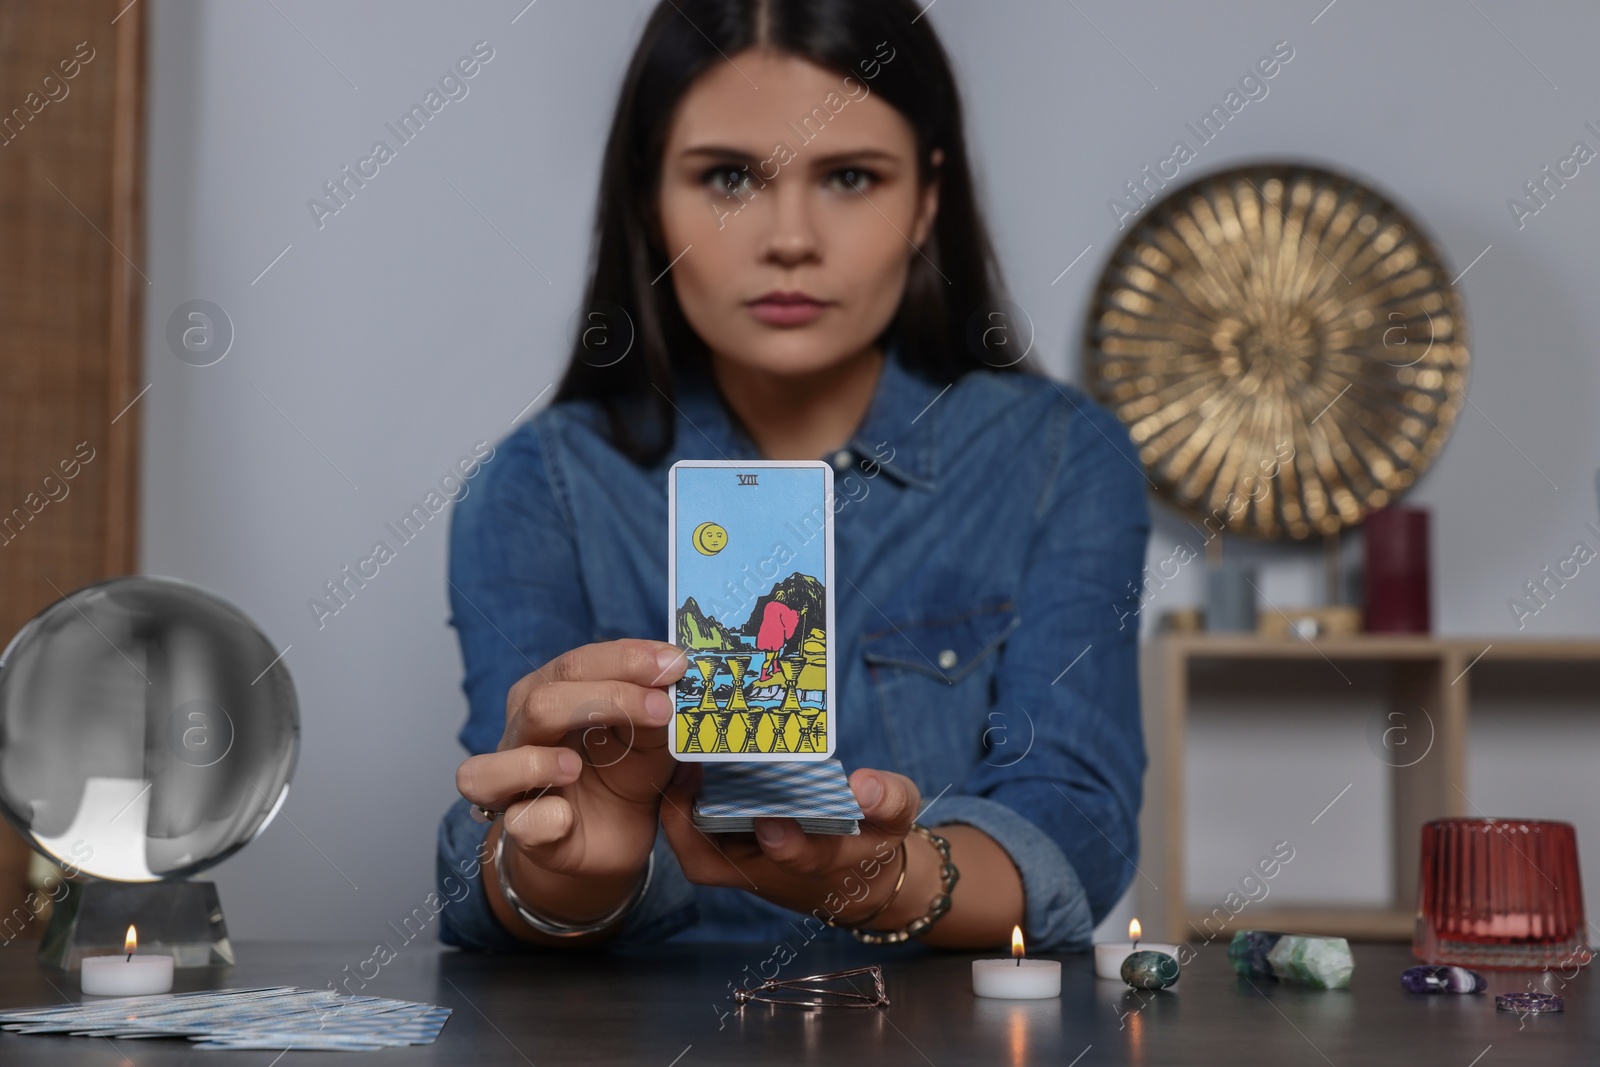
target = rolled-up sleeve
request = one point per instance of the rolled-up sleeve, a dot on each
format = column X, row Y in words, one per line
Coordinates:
column 517, row 602
column 1067, row 810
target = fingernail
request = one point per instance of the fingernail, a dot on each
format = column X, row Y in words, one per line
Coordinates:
column 771, row 834
column 668, row 660
column 569, row 762
column 657, row 707
column 871, row 791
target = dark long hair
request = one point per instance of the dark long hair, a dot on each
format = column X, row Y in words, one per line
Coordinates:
column 939, row 325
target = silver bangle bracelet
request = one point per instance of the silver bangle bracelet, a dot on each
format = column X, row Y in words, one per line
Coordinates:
column 554, row 927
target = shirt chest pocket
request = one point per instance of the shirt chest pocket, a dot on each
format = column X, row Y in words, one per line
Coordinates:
column 933, row 675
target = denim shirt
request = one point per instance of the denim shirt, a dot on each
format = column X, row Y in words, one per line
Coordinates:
column 989, row 539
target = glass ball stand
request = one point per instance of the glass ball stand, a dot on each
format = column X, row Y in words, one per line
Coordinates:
column 179, row 919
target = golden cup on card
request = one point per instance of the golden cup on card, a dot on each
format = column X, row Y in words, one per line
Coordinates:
column 791, row 670
column 708, row 670
column 738, row 665
column 720, row 721
column 812, row 738
column 689, row 724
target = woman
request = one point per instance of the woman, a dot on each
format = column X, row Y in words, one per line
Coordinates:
column 789, row 244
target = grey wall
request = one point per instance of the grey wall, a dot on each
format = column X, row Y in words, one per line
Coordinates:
column 427, row 313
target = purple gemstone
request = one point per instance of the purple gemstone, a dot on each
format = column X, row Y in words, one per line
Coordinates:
column 1442, row 980
column 1248, row 953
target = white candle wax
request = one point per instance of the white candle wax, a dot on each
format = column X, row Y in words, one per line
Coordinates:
column 1108, row 956
column 118, row 976
column 1014, row 980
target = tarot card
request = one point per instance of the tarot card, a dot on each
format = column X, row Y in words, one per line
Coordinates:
column 750, row 589
column 817, row 795
column 267, row 1017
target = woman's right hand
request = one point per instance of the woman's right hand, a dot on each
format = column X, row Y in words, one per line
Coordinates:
column 580, row 774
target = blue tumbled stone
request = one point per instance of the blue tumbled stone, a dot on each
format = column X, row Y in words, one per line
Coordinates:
column 1442, row 980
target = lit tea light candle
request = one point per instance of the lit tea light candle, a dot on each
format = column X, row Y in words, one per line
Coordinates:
column 127, row 975
column 1108, row 956
column 1017, row 978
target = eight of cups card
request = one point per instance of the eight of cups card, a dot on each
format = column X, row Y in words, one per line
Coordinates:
column 750, row 594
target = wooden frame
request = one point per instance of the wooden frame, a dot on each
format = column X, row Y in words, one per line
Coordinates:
column 1432, row 673
column 71, row 245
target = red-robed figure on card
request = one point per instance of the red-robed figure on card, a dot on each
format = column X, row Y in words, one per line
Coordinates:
column 778, row 621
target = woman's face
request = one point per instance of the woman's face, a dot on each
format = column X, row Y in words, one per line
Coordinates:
column 749, row 207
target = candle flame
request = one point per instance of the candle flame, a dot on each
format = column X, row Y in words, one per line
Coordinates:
column 131, row 942
column 1134, row 930
column 1016, row 941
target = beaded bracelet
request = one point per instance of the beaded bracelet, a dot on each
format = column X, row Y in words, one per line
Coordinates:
column 937, row 908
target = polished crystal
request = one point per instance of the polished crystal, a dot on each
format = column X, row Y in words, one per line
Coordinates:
column 1320, row 962
column 1427, row 979
column 1248, row 953
column 1149, row 970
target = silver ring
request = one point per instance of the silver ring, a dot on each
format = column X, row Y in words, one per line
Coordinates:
column 1530, row 1002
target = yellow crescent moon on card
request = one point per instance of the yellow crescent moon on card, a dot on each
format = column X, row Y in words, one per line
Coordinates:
column 709, row 538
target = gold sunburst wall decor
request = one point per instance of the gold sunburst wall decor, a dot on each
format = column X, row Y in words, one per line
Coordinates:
column 1285, row 347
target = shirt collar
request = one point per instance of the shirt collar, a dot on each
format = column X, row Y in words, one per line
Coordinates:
column 899, row 432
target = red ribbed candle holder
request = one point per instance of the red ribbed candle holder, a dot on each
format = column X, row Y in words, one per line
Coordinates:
column 1499, row 893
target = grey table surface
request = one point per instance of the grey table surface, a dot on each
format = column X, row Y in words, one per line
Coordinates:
column 669, row 1007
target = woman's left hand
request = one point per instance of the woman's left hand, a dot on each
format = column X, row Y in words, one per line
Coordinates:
column 847, row 877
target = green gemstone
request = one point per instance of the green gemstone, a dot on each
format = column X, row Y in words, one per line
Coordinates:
column 1149, row 970
column 1320, row 962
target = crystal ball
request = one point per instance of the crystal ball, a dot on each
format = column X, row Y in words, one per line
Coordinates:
column 148, row 730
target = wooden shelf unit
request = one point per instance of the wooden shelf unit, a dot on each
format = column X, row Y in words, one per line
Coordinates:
column 1429, row 672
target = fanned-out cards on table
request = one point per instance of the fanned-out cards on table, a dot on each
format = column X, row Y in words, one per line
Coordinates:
column 750, row 601
column 264, row 1017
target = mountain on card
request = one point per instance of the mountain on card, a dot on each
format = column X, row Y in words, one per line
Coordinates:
column 699, row 632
